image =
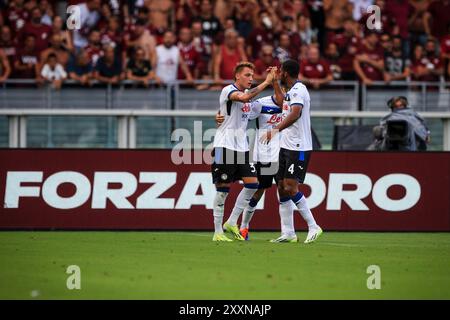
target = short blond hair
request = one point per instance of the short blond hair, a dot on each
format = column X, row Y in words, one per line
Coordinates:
column 241, row 65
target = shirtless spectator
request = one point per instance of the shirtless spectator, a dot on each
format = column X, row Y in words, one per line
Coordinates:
column 140, row 36
column 266, row 60
column 315, row 70
column 336, row 12
column 160, row 11
column 369, row 63
column 228, row 55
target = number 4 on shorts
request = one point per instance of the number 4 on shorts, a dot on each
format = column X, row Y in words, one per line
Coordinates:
column 291, row 169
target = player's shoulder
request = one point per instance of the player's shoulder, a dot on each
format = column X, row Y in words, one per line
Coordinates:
column 298, row 89
column 267, row 100
column 229, row 89
column 298, row 86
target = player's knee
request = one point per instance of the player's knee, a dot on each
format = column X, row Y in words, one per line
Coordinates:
column 288, row 190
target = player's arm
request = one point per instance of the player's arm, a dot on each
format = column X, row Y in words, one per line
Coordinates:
column 250, row 94
column 296, row 112
column 279, row 94
column 219, row 119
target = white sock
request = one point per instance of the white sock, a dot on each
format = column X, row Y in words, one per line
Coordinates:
column 287, row 217
column 241, row 202
column 248, row 213
column 218, row 209
column 300, row 202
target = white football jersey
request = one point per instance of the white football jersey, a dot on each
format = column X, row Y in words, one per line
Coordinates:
column 267, row 115
column 297, row 137
column 232, row 133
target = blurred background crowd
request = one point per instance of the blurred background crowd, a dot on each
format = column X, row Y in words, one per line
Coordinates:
column 164, row 40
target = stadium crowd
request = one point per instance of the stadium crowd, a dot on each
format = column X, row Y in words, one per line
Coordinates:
column 164, row 40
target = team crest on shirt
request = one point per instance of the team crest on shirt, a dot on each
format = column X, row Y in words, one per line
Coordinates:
column 246, row 108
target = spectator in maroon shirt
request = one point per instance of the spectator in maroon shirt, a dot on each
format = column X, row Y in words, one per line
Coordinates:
column 16, row 15
column 369, row 61
column 200, row 46
column 8, row 44
column 191, row 56
column 445, row 52
column 400, row 10
column 262, row 33
column 315, row 71
column 40, row 31
column 437, row 18
column 94, row 48
column 333, row 58
column 265, row 61
column 348, row 44
column 294, row 37
column 424, row 68
column 27, row 60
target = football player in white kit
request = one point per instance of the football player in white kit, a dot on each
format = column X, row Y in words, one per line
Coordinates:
column 295, row 151
column 231, row 151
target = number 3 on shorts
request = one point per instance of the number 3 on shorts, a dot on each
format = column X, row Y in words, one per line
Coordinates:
column 252, row 165
column 291, row 169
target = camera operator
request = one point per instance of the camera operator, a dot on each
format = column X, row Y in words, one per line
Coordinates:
column 402, row 129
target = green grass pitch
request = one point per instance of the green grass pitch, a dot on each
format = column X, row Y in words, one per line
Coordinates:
column 188, row 265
